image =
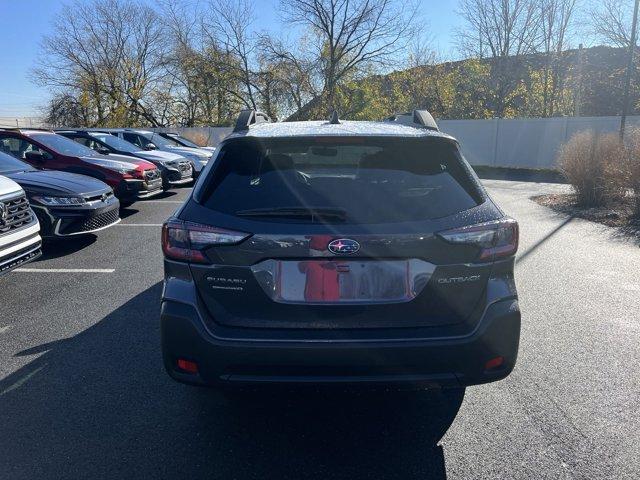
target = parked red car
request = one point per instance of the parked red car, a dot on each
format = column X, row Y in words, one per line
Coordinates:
column 130, row 178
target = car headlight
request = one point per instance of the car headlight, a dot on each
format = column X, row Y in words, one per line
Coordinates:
column 120, row 169
column 123, row 170
column 59, row 201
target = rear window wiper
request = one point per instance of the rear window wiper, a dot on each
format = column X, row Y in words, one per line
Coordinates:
column 311, row 214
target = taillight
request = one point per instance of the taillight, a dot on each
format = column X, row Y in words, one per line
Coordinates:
column 497, row 239
column 187, row 366
column 186, row 241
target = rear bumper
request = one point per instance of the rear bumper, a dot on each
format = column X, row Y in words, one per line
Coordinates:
column 444, row 362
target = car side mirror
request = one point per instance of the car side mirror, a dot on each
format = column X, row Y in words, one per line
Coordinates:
column 34, row 156
column 103, row 150
column 150, row 146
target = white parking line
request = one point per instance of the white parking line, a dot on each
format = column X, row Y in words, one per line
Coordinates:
column 64, row 270
column 4, row 329
column 138, row 225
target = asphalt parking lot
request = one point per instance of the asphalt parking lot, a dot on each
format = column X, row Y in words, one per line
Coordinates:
column 83, row 393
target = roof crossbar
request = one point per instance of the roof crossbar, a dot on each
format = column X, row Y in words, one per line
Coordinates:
column 417, row 118
column 250, row 117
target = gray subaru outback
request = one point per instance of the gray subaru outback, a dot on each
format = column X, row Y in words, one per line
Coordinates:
column 339, row 252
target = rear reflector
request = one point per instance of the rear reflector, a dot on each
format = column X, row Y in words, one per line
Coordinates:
column 187, row 241
column 497, row 239
column 187, row 366
column 494, row 363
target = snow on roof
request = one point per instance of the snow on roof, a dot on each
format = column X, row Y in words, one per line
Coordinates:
column 344, row 128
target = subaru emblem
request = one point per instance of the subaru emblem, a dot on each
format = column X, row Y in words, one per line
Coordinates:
column 343, row 246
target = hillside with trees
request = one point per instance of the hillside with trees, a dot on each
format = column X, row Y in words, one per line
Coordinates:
column 587, row 82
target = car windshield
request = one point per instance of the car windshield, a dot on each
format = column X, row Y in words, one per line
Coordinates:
column 181, row 141
column 159, row 140
column 115, row 142
column 62, row 145
column 343, row 180
column 10, row 164
column 172, row 141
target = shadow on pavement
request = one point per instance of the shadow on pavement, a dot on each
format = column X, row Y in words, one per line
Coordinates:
column 163, row 195
column 519, row 174
column 56, row 248
column 629, row 232
column 99, row 405
column 522, row 256
column 127, row 212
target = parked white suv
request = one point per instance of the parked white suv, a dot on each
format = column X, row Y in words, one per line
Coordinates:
column 19, row 228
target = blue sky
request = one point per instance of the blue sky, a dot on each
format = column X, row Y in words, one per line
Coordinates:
column 23, row 22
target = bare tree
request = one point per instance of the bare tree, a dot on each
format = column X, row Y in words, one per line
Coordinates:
column 498, row 28
column 107, row 54
column 294, row 73
column 556, row 22
column 202, row 88
column 501, row 30
column 65, row 110
column 611, row 21
column 348, row 37
column 229, row 25
column 421, row 53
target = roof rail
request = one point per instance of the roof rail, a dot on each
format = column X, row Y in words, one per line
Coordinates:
column 417, row 118
column 18, row 129
column 250, row 117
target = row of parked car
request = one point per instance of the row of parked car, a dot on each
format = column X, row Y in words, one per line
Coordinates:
column 69, row 182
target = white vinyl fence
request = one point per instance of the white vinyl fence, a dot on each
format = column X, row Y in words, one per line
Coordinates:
column 517, row 142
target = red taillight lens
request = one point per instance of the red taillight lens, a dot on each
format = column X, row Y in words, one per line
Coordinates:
column 494, row 363
column 497, row 239
column 187, row 366
column 186, row 241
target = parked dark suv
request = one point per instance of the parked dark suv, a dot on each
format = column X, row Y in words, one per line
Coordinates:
column 339, row 252
column 130, row 178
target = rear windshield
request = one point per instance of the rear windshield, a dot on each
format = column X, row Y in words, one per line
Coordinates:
column 340, row 180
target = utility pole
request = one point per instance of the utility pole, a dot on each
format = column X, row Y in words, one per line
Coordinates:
column 577, row 99
column 627, row 85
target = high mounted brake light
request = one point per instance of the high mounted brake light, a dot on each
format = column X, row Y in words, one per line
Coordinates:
column 497, row 239
column 186, row 241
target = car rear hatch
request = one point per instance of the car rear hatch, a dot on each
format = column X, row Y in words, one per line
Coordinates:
column 336, row 233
